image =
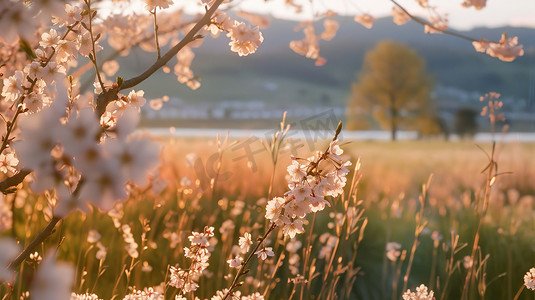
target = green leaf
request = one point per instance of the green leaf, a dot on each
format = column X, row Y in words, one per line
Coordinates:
column 27, row 48
column 10, row 190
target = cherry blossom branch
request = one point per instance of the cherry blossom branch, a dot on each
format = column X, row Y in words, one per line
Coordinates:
column 425, row 23
column 80, row 71
column 190, row 37
column 11, row 124
column 111, row 94
column 242, row 271
column 16, row 179
column 194, row 261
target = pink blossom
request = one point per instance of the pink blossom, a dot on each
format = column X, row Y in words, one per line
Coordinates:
column 477, row 4
column 53, row 280
column 9, row 249
column 244, row 39
column 264, row 253
column 331, row 26
column 365, row 20
column 400, row 17
column 507, row 49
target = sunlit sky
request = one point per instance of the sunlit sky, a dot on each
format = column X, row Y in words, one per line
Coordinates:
column 496, row 13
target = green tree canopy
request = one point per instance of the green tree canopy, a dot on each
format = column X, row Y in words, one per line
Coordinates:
column 394, row 86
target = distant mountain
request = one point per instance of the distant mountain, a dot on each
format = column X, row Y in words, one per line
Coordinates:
column 278, row 76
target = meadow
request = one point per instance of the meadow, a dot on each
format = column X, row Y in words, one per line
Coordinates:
column 408, row 216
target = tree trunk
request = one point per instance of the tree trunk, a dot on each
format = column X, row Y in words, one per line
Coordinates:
column 393, row 119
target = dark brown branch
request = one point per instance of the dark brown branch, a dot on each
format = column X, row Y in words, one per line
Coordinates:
column 41, row 237
column 14, row 180
column 44, row 234
column 106, row 97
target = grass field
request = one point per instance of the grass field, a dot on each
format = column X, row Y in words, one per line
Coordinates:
column 341, row 255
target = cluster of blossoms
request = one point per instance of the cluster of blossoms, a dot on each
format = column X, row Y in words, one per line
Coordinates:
column 19, row 19
column 183, row 71
column 421, row 294
column 153, row 4
column 529, row 279
column 131, row 245
column 328, row 242
column 365, row 20
column 507, row 49
column 8, row 162
column 72, row 146
column 245, row 242
column 94, row 237
column 86, row 296
column 126, row 32
column 6, row 215
column 73, row 143
column 236, row 295
column 145, row 294
column 477, row 4
column 309, row 45
column 245, row 39
column 30, row 87
column 492, row 107
column 393, row 251
column 399, row 16
column 199, row 253
column 319, row 176
column 439, row 24
column 292, row 247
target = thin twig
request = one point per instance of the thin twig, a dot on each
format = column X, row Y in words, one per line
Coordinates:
column 156, row 33
column 425, row 23
column 480, row 215
column 242, row 270
column 94, row 56
column 519, row 292
column 41, row 237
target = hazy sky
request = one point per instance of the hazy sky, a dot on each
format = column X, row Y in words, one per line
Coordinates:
column 497, row 12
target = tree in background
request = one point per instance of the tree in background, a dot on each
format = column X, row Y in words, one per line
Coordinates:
column 465, row 122
column 393, row 85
